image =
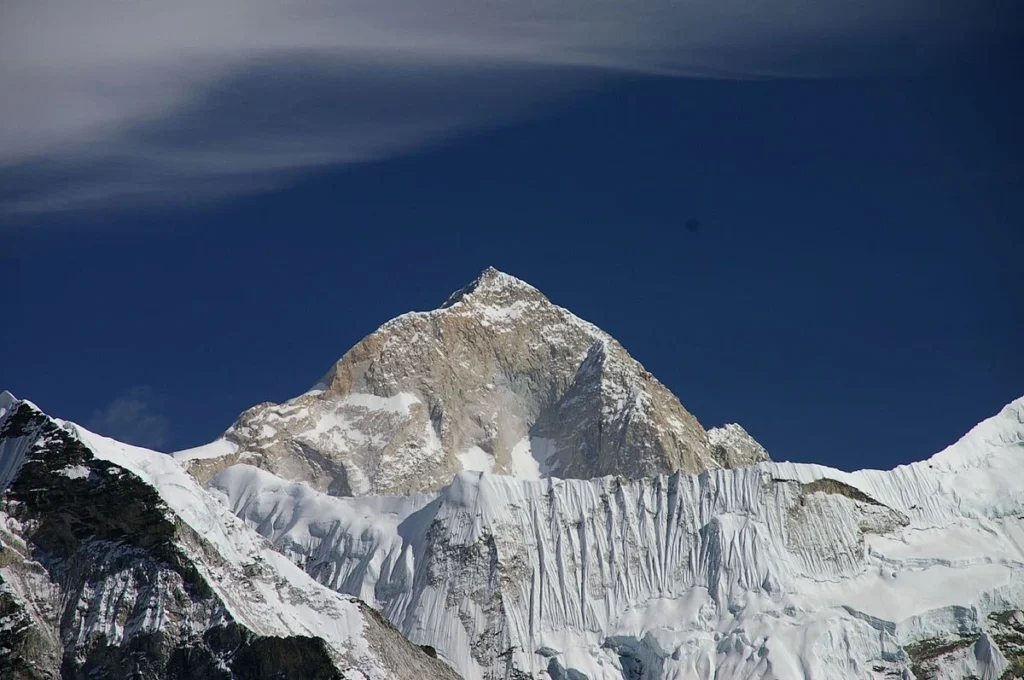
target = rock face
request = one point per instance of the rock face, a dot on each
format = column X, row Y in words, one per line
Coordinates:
column 497, row 379
column 114, row 563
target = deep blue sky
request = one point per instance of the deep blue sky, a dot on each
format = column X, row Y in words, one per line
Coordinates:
column 853, row 296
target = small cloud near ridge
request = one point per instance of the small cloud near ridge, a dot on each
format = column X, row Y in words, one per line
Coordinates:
column 131, row 418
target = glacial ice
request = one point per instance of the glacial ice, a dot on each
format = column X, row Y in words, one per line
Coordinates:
column 778, row 570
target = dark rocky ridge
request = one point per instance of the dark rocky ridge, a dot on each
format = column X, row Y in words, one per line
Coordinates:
column 101, row 544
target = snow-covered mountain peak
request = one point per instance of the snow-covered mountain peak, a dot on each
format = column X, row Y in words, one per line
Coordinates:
column 734, row 447
column 1006, row 428
column 493, row 287
column 498, row 379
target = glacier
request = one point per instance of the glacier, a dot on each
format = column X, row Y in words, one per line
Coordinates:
column 773, row 571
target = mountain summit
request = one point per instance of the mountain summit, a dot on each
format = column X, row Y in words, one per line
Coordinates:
column 497, row 379
column 497, row 288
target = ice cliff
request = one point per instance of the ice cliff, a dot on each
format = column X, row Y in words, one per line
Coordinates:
column 772, row 571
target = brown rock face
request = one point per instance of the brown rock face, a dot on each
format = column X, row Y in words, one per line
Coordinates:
column 498, row 379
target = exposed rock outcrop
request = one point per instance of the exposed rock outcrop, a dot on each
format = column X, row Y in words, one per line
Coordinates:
column 498, row 379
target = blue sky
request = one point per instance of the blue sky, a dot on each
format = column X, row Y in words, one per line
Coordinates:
column 852, row 295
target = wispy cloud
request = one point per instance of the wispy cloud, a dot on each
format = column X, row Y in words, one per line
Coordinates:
column 131, row 418
column 113, row 101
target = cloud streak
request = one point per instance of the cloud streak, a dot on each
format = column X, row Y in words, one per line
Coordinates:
column 114, row 102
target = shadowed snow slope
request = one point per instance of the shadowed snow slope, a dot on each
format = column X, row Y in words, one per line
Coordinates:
column 114, row 562
column 773, row 571
column 497, row 379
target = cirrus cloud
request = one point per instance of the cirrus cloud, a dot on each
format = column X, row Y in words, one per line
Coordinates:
column 113, row 102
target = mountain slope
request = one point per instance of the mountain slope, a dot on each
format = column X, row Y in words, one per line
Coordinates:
column 773, row 571
column 114, row 562
column 497, row 379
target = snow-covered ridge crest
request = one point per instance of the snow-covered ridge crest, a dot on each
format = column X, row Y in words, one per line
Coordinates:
column 115, row 562
column 498, row 378
column 1003, row 429
column 733, row 446
column 777, row 570
column 496, row 288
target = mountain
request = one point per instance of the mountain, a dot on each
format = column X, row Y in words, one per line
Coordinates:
column 774, row 571
column 497, row 379
column 496, row 489
column 115, row 563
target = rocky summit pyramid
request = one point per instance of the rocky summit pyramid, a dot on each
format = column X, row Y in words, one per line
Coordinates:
column 497, row 379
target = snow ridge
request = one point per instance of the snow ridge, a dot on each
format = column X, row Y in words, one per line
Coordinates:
column 134, row 584
column 773, row 571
